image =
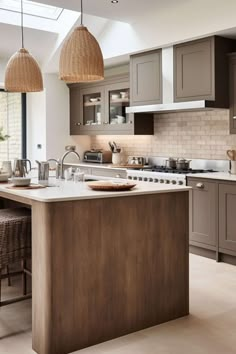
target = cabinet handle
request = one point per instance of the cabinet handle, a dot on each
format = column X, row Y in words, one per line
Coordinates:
column 118, row 176
column 200, row 185
column 130, row 122
column 77, row 124
column 234, row 117
column 105, row 123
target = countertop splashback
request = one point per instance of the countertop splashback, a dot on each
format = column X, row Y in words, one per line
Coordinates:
column 192, row 135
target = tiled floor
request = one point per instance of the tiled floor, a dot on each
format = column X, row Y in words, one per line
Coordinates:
column 210, row 329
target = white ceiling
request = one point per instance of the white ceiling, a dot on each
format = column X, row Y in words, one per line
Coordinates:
column 101, row 18
column 124, row 10
column 39, row 43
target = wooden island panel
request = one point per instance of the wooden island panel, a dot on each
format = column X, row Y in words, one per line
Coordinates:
column 104, row 268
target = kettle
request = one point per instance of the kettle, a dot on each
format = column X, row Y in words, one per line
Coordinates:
column 20, row 167
column 43, row 170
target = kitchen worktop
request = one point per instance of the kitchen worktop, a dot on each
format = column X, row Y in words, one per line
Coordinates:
column 223, row 176
column 68, row 191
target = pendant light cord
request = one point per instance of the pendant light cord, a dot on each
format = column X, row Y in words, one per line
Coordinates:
column 22, row 25
column 82, row 15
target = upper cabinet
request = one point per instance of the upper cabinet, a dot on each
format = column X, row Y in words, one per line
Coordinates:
column 201, row 70
column 232, row 85
column 100, row 109
column 146, row 78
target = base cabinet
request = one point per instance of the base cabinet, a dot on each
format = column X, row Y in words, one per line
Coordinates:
column 227, row 220
column 212, row 219
column 203, row 212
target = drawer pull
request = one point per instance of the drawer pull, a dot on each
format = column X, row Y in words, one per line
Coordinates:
column 234, row 117
column 118, row 176
column 77, row 124
column 200, row 185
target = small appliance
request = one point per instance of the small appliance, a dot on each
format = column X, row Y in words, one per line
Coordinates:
column 98, row 156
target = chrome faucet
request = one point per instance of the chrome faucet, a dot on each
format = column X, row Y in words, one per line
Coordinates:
column 72, row 151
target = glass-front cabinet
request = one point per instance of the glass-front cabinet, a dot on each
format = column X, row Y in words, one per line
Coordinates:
column 100, row 108
column 118, row 100
column 92, row 108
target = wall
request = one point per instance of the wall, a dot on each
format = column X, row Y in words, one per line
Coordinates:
column 36, row 125
column 193, row 135
column 48, row 122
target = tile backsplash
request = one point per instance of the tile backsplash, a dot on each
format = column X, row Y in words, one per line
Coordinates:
column 193, row 135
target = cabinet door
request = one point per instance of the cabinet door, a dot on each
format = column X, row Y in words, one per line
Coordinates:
column 146, row 78
column 194, row 71
column 203, row 212
column 227, row 219
column 117, row 98
column 114, row 173
column 75, row 118
column 232, row 83
column 92, row 109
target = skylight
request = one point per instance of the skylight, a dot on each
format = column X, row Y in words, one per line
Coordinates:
column 32, row 8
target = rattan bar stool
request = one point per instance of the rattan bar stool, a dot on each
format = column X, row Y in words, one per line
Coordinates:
column 15, row 247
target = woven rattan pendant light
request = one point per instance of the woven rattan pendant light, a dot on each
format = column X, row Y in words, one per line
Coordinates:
column 81, row 57
column 23, row 73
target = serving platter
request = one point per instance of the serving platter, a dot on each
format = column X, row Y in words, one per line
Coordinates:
column 110, row 186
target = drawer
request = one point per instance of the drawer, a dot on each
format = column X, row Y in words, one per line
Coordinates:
column 113, row 173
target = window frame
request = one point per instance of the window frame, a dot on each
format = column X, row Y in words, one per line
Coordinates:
column 23, row 123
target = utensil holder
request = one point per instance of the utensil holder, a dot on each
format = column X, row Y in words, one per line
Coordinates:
column 116, row 158
column 232, row 167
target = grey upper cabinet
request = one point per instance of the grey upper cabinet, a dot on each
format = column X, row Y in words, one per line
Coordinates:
column 227, row 220
column 100, row 109
column 203, row 212
column 194, row 70
column 146, row 78
column 201, row 70
column 232, row 83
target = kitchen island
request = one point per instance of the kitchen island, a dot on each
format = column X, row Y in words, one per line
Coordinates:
column 105, row 264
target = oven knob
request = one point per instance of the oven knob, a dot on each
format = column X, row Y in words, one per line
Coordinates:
column 180, row 182
column 140, row 179
column 173, row 182
column 156, row 180
column 135, row 178
column 145, row 179
column 150, row 179
column 167, row 181
column 161, row 180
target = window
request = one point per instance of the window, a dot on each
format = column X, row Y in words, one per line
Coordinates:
column 32, row 8
column 13, row 123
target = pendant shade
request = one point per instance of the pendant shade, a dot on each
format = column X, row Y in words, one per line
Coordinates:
column 23, row 73
column 81, row 58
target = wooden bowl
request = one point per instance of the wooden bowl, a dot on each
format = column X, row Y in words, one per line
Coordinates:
column 110, row 186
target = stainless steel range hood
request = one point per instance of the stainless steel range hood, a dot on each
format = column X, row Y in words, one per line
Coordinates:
column 168, row 104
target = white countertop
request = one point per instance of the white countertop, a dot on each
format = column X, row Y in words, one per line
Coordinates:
column 223, row 176
column 68, row 191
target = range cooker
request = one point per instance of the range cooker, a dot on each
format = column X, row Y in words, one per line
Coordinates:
column 161, row 174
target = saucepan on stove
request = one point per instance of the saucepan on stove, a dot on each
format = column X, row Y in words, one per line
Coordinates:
column 171, row 163
column 182, row 164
